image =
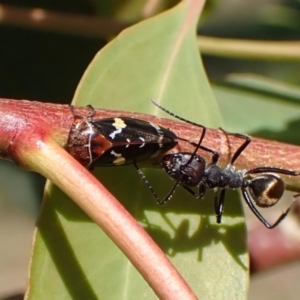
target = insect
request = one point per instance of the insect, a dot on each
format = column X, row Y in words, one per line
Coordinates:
column 261, row 186
column 120, row 141
column 116, row 141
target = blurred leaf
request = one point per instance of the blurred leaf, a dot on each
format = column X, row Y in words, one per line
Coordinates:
column 261, row 106
column 275, row 89
column 161, row 62
column 281, row 16
column 157, row 59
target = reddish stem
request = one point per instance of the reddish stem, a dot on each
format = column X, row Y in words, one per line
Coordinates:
column 55, row 120
column 28, row 129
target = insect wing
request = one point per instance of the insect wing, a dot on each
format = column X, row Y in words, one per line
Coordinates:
column 132, row 140
column 83, row 135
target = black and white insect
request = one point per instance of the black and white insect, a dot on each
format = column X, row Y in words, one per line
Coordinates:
column 116, row 141
column 261, row 186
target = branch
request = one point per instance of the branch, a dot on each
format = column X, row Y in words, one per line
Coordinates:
column 95, row 27
column 56, row 120
column 41, row 19
column 32, row 134
column 250, row 49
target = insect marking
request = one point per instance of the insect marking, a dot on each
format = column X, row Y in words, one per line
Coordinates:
column 160, row 141
column 143, row 140
column 115, row 153
column 90, row 132
column 160, row 133
column 128, row 141
column 119, row 161
column 119, row 124
column 157, row 128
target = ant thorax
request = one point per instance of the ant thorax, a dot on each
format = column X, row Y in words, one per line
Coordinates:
column 216, row 177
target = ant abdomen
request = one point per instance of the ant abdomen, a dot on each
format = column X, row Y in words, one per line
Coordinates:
column 266, row 190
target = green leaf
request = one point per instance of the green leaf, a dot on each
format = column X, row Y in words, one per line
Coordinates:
column 73, row 259
column 156, row 59
column 261, row 106
column 262, row 85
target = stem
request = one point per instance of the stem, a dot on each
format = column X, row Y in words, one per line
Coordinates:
column 30, row 135
column 92, row 197
column 57, row 119
column 27, row 131
column 95, row 27
column 41, row 19
column 250, row 49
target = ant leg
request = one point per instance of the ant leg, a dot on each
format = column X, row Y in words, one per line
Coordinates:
column 158, row 201
column 219, row 205
column 258, row 214
column 242, row 147
column 190, row 191
column 272, row 170
column 140, row 172
column 199, row 196
column 172, row 191
column 202, row 191
column 170, row 194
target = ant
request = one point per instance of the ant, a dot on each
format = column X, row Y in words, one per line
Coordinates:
column 190, row 170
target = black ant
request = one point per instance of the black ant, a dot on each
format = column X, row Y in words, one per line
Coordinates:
column 190, row 170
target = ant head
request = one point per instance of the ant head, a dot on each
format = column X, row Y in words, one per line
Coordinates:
column 266, row 190
column 184, row 167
